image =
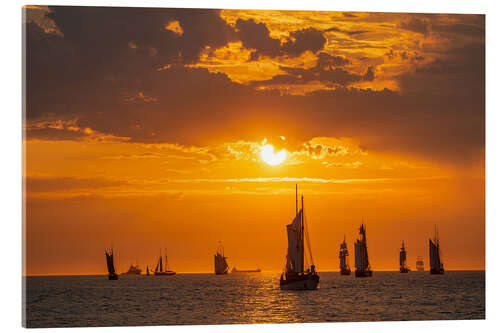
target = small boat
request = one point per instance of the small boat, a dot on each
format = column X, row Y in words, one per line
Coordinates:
column 111, row 265
column 403, row 267
column 133, row 270
column 435, row 255
column 159, row 266
column 220, row 264
column 343, row 254
column 295, row 277
column 420, row 264
column 235, row 270
column 363, row 268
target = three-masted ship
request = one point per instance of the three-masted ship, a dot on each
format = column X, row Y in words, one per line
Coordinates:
column 343, row 254
column 419, row 264
column 436, row 266
column 159, row 266
column 295, row 277
column 111, row 265
column 403, row 267
column 220, row 264
column 362, row 263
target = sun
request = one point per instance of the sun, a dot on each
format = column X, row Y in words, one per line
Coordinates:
column 271, row 158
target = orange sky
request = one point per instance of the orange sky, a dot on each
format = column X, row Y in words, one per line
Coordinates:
column 150, row 135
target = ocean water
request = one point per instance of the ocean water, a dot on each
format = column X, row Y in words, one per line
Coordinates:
column 184, row 299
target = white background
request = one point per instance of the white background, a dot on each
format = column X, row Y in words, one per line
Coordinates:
column 10, row 157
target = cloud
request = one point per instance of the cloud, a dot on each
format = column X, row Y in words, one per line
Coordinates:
column 58, row 184
column 256, row 36
column 88, row 71
column 421, row 26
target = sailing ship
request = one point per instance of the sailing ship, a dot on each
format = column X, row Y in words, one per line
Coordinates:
column 403, row 267
column 344, row 264
column 435, row 255
column 361, row 255
column 220, row 264
column 420, row 264
column 234, row 270
column 111, row 265
column 295, row 277
column 159, row 266
column 133, row 270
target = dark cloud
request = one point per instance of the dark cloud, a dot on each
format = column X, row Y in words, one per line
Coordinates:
column 89, row 72
column 257, row 36
column 300, row 41
column 417, row 25
column 327, row 71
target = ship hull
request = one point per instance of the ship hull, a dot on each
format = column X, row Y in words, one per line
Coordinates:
column 168, row 273
column 245, row 272
column 403, row 270
column 221, row 273
column 301, row 282
column 112, row 277
column 345, row 272
column 437, row 271
column 362, row 274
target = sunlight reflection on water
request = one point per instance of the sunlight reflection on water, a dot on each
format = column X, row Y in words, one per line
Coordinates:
column 210, row 299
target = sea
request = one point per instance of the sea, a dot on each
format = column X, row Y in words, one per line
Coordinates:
column 198, row 299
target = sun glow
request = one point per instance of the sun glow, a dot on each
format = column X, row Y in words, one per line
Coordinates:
column 271, row 158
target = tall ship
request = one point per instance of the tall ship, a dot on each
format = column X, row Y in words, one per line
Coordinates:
column 436, row 266
column 220, row 264
column 133, row 270
column 344, row 263
column 362, row 263
column 111, row 265
column 403, row 266
column 420, row 264
column 237, row 271
column 159, row 266
column 295, row 277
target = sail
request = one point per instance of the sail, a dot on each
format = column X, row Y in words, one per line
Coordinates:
column 220, row 263
column 434, row 255
column 295, row 254
column 160, row 263
column 110, row 263
column 361, row 251
column 343, row 253
column 402, row 256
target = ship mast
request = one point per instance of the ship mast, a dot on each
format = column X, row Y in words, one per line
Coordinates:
column 296, row 201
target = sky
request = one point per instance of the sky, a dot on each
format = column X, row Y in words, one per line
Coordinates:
column 145, row 129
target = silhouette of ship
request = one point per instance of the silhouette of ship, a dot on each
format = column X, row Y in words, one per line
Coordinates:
column 133, row 270
column 403, row 267
column 435, row 255
column 295, row 277
column 344, row 264
column 111, row 265
column 159, row 266
column 361, row 255
column 235, row 270
column 419, row 264
column 220, row 263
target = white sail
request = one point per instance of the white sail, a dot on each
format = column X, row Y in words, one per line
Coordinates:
column 295, row 255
